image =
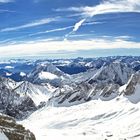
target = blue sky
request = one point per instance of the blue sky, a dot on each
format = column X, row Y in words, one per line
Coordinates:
column 69, row 28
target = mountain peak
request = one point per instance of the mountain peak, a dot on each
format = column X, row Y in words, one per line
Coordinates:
column 115, row 72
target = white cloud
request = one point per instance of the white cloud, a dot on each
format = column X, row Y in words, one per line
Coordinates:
column 31, row 24
column 75, row 28
column 78, row 24
column 42, row 47
column 6, row 1
column 6, row 11
column 124, row 37
column 80, row 35
column 107, row 6
column 53, row 30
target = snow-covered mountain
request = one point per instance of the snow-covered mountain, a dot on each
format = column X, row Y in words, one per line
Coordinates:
column 49, row 85
column 116, row 118
column 38, row 93
column 21, row 99
column 97, row 103
column 13, row 68
column 47, row 73
column 12, row 103
column 103, row 83
column 116, row 72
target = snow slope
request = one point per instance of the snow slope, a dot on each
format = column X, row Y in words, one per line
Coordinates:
column 3, row 136
column 37, row 93
column 118, row 119
column 47, row 75
column 83, row 76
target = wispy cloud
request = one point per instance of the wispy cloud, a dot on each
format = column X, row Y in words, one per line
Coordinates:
column 42, row 47
column 6, row 1
column 107, row 6
column 6, row 11
column 78, row 24
column 31, row 24
column 74, row 28
column 125, row 37
column 51, row 31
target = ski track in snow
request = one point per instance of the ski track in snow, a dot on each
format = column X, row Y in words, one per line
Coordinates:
column 118, row 119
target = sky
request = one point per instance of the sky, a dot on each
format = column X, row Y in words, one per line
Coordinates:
column 69, row 28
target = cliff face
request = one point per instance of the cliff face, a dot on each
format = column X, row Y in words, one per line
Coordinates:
column 10, row 130
column 132, row 83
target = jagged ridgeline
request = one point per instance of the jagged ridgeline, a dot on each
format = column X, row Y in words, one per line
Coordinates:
column 46, row 84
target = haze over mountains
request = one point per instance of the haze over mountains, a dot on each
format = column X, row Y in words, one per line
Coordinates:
column 85, row 97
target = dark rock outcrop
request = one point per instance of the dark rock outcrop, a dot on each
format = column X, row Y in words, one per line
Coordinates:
column 131, row 85
column 14, row 131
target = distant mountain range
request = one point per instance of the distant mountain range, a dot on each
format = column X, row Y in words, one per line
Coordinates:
column 16, row 69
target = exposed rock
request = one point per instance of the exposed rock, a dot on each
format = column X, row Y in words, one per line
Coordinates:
column 116, row 72
column 84, row 92
column 12, row 103
column 108, row 90
column 14, row 131
column 131, row 85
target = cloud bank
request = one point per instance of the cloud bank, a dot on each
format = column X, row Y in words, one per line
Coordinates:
column 45, row 47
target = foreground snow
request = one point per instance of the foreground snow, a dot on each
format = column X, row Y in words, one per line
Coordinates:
column 95, row 120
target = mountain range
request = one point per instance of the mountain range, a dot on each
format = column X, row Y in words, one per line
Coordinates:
column 87, row 98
